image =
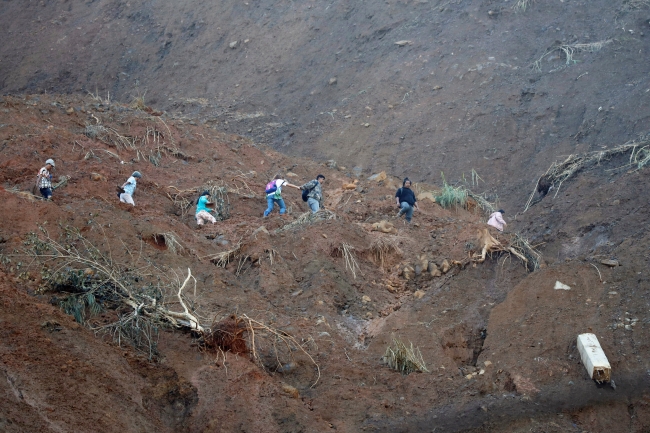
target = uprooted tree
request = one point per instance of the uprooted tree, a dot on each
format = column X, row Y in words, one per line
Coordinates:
column 89, row 281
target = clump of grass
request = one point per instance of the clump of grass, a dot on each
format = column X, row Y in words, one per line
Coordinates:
column 522, row 5
column 137, row 103
column 403, row 358
column 451, row 196
column 569, row 50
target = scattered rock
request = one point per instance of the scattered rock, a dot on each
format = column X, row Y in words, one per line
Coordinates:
column 437, row 87
column 560, row 286
column 290, row 390
column 419, row 294
column 98, row 177
column 324, row 235
column 384, row 227
column 445, row 266
column 368, row 315
column 487, row 363
column 378, row 177
column 70, row 110
column 403, row 43
column 233, row 44
column 616, row 203
column 433, row 270
column 332, row 81
column 408, row 272
column 291, row 174
column 215, row 156
column 350, row 186
column 365, row 299
column 365, row 124
column 609, row 262
column 331, row 164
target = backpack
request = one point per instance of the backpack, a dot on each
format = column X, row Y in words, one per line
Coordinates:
column 271, row 187
column 305, row 193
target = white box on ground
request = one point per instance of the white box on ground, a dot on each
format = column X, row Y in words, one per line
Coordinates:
column 594, row 358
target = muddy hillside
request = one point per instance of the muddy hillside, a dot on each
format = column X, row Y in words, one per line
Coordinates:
column 410, row 87
column 133, row 318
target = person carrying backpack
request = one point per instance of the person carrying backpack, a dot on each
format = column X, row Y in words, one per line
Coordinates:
column 202, row 212
column 274, row 194
column 312, row 193
column 44, row 180
column 406, row 201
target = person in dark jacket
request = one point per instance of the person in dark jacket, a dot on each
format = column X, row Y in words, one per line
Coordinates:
column 315, row 200
column 406, row 201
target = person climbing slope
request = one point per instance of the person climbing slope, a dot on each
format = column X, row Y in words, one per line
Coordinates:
column 202, row 209
column 496, row 220
column 312, row 193
column 274, row 195
column 129, row 188
column 44, row 179
column 406, row 201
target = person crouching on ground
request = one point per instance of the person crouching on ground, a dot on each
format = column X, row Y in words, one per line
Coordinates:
column 274, row 195
column 406, row 201
column 129, row 188
column 44, row 179
column 496, row 220
column 315, row 194
column 202, row 212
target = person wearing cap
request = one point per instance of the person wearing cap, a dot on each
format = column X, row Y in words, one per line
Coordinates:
column 496, row 220
column 202, row 212
column 406, row 201
column 129, row 188
column 44, row 179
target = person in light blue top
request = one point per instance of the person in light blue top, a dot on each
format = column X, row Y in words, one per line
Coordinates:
column 202, row 209
column 274, row 195
column 129, row 188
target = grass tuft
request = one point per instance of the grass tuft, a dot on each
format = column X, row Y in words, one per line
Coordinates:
column 403, row 358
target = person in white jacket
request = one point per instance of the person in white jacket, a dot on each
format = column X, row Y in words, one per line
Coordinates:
column 496, row 220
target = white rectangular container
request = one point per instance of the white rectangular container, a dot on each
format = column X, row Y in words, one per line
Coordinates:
column 594, row 358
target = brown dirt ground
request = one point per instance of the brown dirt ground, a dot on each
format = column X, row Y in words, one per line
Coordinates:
column 61, row 376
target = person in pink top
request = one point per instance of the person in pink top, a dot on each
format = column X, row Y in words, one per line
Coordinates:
column 496, row 220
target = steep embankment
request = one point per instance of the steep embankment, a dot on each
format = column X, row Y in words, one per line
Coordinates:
column 498, row 342
column 328, row 81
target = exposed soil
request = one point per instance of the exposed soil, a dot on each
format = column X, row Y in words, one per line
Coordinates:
column 62, row 376
column 327, row 80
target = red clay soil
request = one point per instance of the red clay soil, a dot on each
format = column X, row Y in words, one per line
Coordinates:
column 292, row 277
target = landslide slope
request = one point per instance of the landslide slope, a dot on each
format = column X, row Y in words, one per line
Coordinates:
column 498, row 341
column 328, row 80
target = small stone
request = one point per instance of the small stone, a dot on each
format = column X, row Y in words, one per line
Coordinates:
column 487, row 363
column 368, row 315
column 402, row 43
column 481, row 372
column 233, row 44
column 610, row 262
column 616, row 202
column 445, row 266
column 365, row 299
column 288, row 389
column 366, row 124
column 324, row 235
column 332, row 81
column 469, row 376
column 419, row 294
column 70, row 110
column 437, row 87
column 560, row 286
